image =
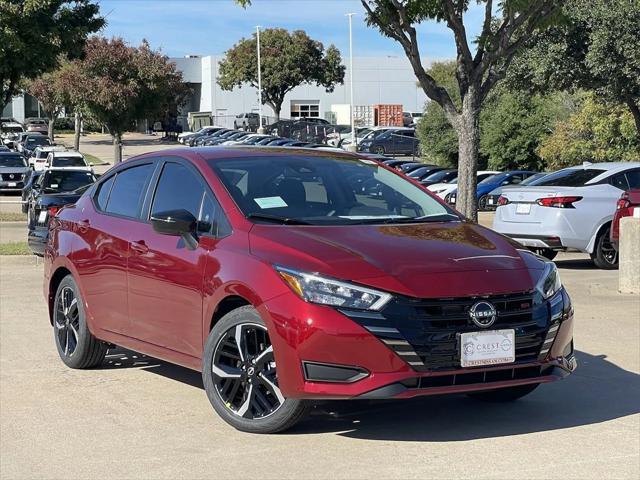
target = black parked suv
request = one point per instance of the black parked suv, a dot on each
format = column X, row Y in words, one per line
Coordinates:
column 394, row 140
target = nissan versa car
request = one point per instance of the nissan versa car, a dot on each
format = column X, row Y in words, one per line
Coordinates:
column 267, row 270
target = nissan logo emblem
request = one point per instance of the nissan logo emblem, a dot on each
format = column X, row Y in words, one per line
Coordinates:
column 11, row 176
column 483, row 314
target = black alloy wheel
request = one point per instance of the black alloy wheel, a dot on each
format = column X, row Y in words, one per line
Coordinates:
column 378, row 150
column 240, row 376
column 482, row 203
column 244, row 372
column 67, row 321
column 604, row 255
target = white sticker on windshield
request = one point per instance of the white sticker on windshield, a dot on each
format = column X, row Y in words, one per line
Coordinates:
column 270, row 202
column 368, row 162
column 54, row 185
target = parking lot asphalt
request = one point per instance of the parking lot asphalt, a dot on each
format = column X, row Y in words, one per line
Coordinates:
column 138, row 417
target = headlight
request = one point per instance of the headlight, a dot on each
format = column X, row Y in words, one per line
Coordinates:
column 549, row 283
column 315, row 289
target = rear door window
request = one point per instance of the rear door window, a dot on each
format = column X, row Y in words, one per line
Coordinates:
column 619, row 181
column 128, row 191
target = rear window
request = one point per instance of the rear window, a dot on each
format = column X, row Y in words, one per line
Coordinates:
column 66, row 181
column 69, row 162
column 570, row 178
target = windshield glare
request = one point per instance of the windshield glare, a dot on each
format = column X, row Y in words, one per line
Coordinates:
column 322, row 190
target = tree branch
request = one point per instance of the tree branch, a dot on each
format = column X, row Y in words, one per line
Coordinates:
column 399, row 28
column 454, row 20
column 486, row 30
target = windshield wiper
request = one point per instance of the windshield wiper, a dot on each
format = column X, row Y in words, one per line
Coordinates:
column 276, row 219
column 443, row 217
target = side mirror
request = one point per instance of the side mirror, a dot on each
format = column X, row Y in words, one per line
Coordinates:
column 177, row 222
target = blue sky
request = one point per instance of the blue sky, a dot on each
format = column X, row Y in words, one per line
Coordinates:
column 209, row 27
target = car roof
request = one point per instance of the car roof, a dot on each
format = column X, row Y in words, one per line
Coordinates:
column 66, row 153
column 67, row 169
column 11, row 154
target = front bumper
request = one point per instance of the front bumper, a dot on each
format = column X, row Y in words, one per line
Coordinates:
column 304, row 334
column 11, row 186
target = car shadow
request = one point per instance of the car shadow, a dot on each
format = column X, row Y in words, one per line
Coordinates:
column 597, row 392
column 576, row 264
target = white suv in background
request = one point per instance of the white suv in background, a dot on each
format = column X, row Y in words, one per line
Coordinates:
column 40, row 154
column 570, row 209
column 64, row 159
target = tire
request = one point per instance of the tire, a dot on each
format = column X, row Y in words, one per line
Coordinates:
column 77, row 347
column 246, row 394
column 508, row 394
column 604, row 256
column 545, row 252
column 482, row 203
column 379, row 150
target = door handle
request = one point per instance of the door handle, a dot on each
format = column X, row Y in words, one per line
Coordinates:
column 139, row 247
column 83, row 226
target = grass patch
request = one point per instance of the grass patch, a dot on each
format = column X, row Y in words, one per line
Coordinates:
column 92, row 159
column 13, row 217
column 14, row 248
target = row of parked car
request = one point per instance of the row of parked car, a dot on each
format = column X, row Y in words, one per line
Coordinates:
column 47, row 176
column 576, row 208
column 214, row 135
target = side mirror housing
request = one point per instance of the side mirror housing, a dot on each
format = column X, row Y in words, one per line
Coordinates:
column 177, row 222
column 174, row 222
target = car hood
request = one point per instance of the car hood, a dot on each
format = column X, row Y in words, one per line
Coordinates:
column 421, row 260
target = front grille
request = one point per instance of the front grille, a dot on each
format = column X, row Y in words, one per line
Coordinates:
column 11, row 177
column 491, row 376
column 425, row 332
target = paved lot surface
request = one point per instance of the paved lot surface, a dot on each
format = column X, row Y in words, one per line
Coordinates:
column 137, row 417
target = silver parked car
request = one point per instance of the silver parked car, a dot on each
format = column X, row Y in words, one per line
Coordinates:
column 570, row 209
column 13, row 170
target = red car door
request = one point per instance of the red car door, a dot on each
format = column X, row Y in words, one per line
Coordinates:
column 165, row 276
column 101, row 260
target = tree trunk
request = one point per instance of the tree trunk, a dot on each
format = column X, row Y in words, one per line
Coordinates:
column 635, row 111
column 76, row 136
column 468, row 146
column 117, row 147
column 50, row 129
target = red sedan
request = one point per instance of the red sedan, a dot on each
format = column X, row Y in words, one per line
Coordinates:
column 279, row 277
column 624, row 208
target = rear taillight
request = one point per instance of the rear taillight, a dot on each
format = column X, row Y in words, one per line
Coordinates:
column 502, row 201
column 623, row 202
column 52, row 211
column 558, row 202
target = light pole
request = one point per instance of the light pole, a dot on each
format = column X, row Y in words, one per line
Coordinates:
column 353, row 145
column 260, row 127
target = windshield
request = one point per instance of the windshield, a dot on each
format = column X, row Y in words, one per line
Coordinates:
column 12, row 161
column 66, row 181
column 571, row 177
column 39, row 140
column 11, row 129
column 436, row 177
column 323, row 190
column 69, row 162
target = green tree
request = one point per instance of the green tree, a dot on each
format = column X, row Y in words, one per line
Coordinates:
column 513, row 125
column 597, row 48
column 35, row 34
column 598, row 132
column 287, row 61
column 51, row 91
column 118, row 85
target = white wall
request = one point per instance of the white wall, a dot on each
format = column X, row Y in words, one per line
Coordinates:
column 376, row 80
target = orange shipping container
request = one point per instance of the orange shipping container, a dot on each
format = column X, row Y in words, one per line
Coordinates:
column 388, row 115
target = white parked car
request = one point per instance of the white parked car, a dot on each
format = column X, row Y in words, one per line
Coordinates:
column 570, row 209
column 40, row 154
column 62, row 160
column 444, row 189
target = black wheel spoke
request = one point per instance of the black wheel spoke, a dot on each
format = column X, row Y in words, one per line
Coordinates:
column 67, row 321
column 243, row 371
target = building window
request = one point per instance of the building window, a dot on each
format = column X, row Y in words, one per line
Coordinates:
column 305, row 109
